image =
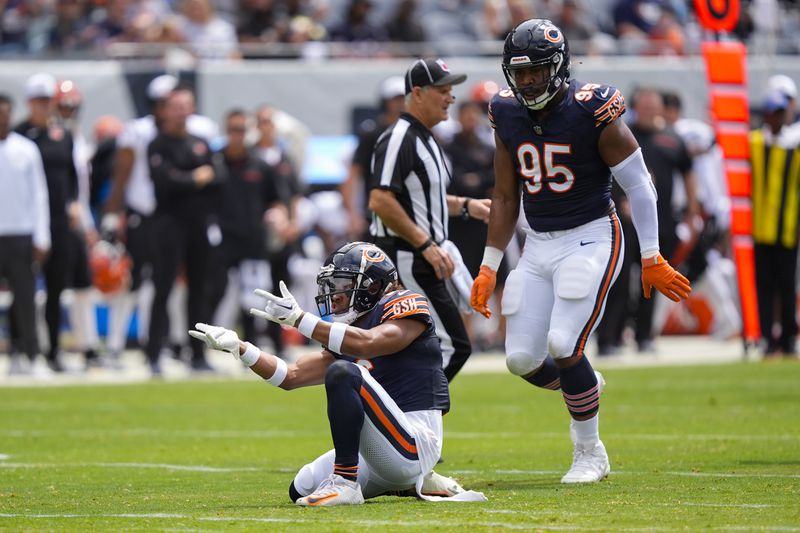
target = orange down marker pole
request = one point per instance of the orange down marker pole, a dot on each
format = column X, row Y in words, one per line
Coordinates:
column 727, row 81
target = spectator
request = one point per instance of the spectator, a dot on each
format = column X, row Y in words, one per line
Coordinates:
column 356, row 28
column 404, row 25
column 773, row 155
column 67, row 33
column 355, row 189
column 210, row 36
column 186, row 189
column 24, row 225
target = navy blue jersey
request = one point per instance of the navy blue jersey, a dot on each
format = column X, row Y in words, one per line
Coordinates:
column 413, row 377
column 565, row 181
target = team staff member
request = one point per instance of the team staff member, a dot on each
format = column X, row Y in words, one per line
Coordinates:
column 410, row 205
column 249, row 188
column 187, row 231
column 24, row 223
column 775, row 160
column 68, row 249
column 382, row 371
column 132, row 199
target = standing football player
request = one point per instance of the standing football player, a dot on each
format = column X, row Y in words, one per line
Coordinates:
column 382, row 369
column 558, row 143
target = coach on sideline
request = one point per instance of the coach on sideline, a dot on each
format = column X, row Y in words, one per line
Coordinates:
column 410, row 205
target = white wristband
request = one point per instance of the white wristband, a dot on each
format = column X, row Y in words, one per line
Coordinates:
column 307, row 324
column 250, row 355
column 280, row 372
column 336, row 337
column 492, row 257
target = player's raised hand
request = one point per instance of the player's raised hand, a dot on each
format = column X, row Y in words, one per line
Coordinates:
column 657, row 272
column 217, row 338
column 281, row 309
column 482, row 289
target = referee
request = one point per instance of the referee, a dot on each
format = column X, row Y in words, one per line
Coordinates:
column 410, row 205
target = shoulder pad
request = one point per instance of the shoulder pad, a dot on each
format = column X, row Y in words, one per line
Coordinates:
column 401, row 304
column 604, row 102
column 501, row 101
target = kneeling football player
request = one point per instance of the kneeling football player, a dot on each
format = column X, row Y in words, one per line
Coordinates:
column 382, row 369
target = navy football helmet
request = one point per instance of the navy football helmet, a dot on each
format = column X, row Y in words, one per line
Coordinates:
column 532, row 44
column 360, row 271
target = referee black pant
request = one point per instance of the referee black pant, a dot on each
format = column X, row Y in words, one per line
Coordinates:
column 16, row 266
column 417, row 275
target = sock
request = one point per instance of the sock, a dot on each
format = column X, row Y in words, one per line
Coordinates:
column 580, row 389
column 349, row 472
column 587, row 432
column 546, row 376
column 346, row 415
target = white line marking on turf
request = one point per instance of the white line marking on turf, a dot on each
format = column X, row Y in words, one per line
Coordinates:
column 187, row 468
column 729, row 474
column 4, row 456
column 735, row 505
column 514, row 472
column 376, row 523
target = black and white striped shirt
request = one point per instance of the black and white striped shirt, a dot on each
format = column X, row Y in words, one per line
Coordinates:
column 409, row 162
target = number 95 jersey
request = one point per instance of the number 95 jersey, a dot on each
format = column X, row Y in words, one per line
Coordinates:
column 565, row 181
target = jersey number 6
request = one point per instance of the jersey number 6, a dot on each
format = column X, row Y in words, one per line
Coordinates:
column 558, row 177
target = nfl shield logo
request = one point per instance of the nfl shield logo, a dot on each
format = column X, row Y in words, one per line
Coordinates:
column 538, row 129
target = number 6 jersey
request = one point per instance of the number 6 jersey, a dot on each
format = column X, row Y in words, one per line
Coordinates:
column 565, row 182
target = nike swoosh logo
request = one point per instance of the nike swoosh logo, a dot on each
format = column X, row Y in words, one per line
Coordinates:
column 317, row 501
column 287, row 307
column 584, row 243
column 604, row 93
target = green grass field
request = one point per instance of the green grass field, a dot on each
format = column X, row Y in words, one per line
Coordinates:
column 693, row 447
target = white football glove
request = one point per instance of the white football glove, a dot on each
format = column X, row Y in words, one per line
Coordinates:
column 284, row 311
column 217, row 338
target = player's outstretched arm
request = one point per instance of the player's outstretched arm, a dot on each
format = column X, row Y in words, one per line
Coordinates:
column 622, row 154
column 502, row 221
column 389, row 337
column 308, row 370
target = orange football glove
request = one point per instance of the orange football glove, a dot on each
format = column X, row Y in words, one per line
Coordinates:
column 482, row 289
column 657, row 273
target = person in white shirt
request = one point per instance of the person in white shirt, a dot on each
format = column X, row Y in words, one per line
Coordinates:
column 24, row 222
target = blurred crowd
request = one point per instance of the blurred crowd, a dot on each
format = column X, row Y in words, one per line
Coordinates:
column 171, row 219
column 218, row 29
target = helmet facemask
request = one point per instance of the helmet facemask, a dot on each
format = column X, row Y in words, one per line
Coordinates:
column 343, row 295
column 537, row 95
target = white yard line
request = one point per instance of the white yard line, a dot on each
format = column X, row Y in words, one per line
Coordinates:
column 163, row 466
column 378, row 523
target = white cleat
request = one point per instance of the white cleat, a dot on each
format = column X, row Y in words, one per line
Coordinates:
column 335, row 490
column 437, row 485
column 588, row 465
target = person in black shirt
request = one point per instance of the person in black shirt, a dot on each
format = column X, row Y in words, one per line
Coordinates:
column 186, row 189
column 249, row 188
column 67, row 262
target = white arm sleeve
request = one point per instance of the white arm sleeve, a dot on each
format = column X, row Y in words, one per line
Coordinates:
column 633, row 177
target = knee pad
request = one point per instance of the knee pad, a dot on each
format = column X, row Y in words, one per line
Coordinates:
column 558, row 344
column 342, row 372
column 522, row 364
column 303, row 483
